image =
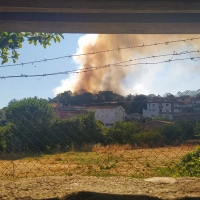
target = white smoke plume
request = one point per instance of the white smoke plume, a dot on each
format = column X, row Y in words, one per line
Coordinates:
column 133, row 79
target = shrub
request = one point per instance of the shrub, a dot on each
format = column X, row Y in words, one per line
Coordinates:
column 121, row 132
column 151, row 138
column 2, row 139
column 188, row 128
column 172, row 133
column 190, row 164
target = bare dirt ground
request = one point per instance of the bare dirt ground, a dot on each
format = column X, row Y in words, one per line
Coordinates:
column 72, row 187
column 116, row 174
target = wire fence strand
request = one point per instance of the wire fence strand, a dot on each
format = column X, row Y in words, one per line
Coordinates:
column 102, row 51
column 118, row 64
column 104, row 134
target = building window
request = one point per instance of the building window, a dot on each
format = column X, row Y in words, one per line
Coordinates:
column 166, row 104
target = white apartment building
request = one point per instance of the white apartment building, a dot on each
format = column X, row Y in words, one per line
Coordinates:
column 166, row 107
column 108, row 115
column 159, row 107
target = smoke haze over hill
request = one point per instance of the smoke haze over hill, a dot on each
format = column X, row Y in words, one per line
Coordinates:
column 132, row 79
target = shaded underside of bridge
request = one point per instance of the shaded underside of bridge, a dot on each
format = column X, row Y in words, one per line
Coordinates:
column 105, row 16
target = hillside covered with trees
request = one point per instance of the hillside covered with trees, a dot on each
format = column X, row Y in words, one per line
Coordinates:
column 132, row 104
column 30, row 125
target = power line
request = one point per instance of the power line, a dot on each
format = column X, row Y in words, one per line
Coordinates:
column 100, row 67
column 102, row 51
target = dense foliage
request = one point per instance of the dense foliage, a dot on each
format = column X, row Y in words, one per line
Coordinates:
column 121, row 132
column 30, row 125
column 77, row 131
column 28, row 122
column 190, row 164
column 135, row 104
column 83, row 97
column 149, row 138
column 11, row 41
column 138, row 104
column 172, row 132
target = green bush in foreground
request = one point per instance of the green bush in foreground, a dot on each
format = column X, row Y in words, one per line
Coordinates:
column 190, row 164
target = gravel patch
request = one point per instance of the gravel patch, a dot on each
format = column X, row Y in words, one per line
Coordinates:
column 57, row 187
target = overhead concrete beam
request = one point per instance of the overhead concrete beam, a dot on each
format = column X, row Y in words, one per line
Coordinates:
column 113, row 16
column 101, row 6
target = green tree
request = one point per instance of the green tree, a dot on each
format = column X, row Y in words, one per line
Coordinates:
column 108, row 96
column 12, row 101
column 85, row 129
column 122, row 132
column 2, row 117
column 79, row 131
column 85, row 98
column 8, row 141
column 172, row 133
column 151, row 138
column 4, row 130
column 11, row 41
column 138, row 104
column 82, row 98
column 129, row 97
column 63, row 99
column 169, row 95
column 30, row 119
column 189, row 128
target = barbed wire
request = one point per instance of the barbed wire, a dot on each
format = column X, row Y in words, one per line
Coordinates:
column 84, row 70
column 102, row 51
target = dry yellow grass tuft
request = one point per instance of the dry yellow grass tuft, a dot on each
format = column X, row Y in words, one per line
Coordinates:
column 97, row 160
column 115, row 147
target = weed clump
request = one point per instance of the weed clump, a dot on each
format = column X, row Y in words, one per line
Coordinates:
column 190, row 164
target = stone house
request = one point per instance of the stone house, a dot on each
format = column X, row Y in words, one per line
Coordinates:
column 108, row 115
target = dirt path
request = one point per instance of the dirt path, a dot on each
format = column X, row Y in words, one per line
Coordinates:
column 120, row 188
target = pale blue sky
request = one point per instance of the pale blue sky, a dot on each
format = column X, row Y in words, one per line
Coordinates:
column 19, row 88
column 147, row 79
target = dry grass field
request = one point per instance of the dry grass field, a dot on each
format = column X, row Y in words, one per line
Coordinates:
column 99, row 161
